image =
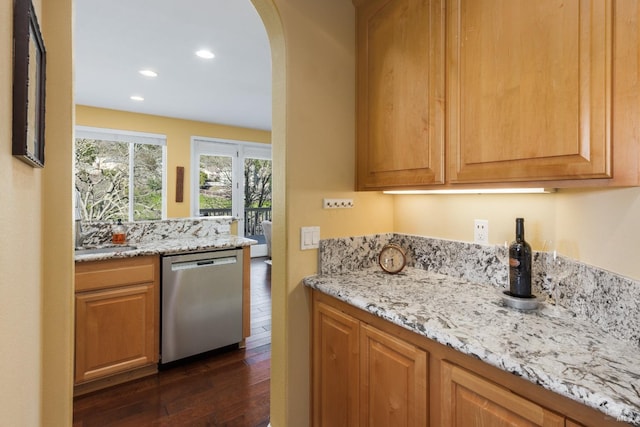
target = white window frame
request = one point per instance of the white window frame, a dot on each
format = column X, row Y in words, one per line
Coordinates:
column 238, row 150
column 131, row 138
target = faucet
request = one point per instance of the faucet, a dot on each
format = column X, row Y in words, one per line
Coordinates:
column 78, row 217
column 79, row 235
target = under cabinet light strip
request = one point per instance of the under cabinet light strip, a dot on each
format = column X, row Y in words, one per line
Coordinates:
column 477, row 191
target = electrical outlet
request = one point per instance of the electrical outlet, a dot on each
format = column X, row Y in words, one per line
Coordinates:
column 481, row 231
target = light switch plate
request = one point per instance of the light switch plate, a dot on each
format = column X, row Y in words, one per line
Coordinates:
column 309, row 237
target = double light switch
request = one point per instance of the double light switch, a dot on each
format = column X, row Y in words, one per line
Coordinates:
column 309, row 237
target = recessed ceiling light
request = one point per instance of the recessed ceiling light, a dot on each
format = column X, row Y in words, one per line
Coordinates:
column 206, row 54
column 136, row 98
column 148, row 73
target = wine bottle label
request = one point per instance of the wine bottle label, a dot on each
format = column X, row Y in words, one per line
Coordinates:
column 513, row 262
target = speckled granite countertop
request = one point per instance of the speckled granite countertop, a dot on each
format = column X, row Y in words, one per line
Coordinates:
column 548, row 346
column 166, row 237
column 170, row 246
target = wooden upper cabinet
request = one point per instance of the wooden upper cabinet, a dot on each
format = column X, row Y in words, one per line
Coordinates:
column 541, row 93
column 529, row 90
column 470, row 400
column 400, row 63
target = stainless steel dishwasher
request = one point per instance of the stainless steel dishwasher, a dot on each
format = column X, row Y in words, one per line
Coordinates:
column 201, row 303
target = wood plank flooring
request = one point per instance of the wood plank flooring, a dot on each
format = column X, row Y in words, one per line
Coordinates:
column 229, row 388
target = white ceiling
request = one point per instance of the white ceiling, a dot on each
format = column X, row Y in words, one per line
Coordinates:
column 114, row 39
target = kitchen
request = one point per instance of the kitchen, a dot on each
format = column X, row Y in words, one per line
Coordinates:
column 313, row 140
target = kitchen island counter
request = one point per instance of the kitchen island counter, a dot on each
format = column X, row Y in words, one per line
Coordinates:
column 168, row 246
column 548, row 346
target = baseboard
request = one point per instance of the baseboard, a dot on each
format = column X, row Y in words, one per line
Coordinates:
column 99, row 384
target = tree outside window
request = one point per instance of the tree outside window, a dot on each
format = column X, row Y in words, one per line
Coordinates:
column 257, row 183
column 119, row 180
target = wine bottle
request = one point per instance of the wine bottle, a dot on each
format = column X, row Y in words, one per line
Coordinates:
column 520, row 264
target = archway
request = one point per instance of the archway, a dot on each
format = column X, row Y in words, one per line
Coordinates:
column 271, row 19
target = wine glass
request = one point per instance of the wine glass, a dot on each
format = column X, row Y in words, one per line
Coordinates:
column 554, row 270
column 502, row 254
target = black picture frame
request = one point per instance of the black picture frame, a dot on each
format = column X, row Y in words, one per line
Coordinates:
column 29, row 75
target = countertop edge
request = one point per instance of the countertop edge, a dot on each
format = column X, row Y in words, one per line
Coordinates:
column 170, row 247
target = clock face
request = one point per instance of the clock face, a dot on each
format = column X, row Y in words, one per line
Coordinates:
column 392, row 259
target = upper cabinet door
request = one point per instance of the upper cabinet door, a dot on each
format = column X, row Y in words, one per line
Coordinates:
column 400, row 93
column 529, row 90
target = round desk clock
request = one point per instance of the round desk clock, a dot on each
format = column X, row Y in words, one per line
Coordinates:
column 392, row 258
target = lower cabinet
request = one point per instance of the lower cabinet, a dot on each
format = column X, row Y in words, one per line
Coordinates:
column 364, row 376
column 336, row 368
column 369, row 372
column 393, row 380
column 468, row 400
column 117, row 321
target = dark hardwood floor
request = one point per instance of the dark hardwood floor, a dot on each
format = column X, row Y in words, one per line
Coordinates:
column 229, row 388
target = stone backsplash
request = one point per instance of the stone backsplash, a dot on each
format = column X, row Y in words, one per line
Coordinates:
column 99, row 233
column 606, row 299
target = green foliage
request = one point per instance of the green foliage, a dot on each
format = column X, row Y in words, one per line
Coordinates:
column 214, row 202
column 102, row 178
column 257, row 183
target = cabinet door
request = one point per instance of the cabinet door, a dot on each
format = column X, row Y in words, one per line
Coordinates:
column 529, row 90
column 393, row 381
column 470, row 400
column 400, row 93
column 115, row 331
column 335, row 368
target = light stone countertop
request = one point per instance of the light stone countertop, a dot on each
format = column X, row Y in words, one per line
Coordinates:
column 169, row 246
column 548, row 346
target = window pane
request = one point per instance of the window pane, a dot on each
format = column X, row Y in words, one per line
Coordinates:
column 147, row 182
column 102, row 177
column 257, row 197
column 215, row 185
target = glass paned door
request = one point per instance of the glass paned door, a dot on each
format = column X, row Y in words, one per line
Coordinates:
column 216, row 185
column 234, row 179
column 257, row 201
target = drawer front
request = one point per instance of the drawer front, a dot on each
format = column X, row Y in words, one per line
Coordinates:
column 114, row 273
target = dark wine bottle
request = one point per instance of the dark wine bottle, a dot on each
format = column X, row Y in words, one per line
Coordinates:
column 520, row 264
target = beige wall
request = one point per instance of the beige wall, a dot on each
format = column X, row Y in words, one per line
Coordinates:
column 57, row 293
column 313, row 139
column 313, row 52
column 35, row 224
column 452, row 216
column 21, row 261
column 178, row 133
column 602, row 228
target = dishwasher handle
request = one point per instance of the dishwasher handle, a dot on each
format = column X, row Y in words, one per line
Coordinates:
column 200, row 263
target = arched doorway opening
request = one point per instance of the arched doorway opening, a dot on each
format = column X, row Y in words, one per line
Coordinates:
column 271, row 19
